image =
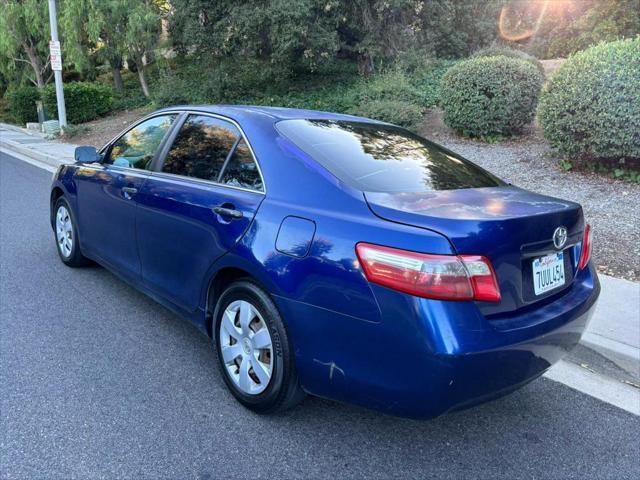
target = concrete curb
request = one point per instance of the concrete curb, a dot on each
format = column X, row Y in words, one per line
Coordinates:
column 31, row 144
column 614, row 331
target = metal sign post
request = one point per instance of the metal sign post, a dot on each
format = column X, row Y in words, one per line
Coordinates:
column 56, row 64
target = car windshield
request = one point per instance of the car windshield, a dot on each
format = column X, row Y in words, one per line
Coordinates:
column 383, row 158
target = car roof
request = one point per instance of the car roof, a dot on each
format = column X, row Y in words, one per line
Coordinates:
column 275, row 114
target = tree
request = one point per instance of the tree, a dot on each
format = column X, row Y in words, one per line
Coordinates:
column 115, row 29
column 142, row 32
column 24, row 38
column 96, row 28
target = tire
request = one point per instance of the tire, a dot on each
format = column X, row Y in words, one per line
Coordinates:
column 65, row 234
column 242, row 353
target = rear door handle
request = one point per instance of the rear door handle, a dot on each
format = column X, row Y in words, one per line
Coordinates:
column 227, row 212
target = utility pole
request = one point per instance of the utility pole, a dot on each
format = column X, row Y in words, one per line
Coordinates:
column 56, row 64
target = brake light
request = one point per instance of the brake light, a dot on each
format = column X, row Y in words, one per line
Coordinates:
column 587, row 247
column 443, row 277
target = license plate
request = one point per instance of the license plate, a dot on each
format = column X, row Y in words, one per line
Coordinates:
column 548, row 273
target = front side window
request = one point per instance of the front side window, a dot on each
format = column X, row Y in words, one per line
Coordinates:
column 201, row 147
column 136, row 148
column 383, row 158
column 241, row 169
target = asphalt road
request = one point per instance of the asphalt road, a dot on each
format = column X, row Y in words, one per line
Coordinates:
column 98, row 381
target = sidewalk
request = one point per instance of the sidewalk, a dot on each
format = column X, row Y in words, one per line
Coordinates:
column 34, row 146
column 614, row 331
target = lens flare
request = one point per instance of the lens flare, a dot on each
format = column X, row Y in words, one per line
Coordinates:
column 514, row 36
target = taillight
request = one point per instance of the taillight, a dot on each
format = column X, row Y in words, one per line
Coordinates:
column 587, row 247
column 443, row 277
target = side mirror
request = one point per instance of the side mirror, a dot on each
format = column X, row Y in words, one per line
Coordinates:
column 86, row 155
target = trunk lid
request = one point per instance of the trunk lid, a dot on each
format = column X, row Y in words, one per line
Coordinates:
column 509, row 225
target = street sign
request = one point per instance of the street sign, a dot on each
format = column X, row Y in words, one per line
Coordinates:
column 56, row 55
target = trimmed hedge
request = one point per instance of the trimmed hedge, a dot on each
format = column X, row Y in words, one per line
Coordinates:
column 21, row 103
column 511, row 53
column 84, row 101
column 590, row 109
column 490, row 96
column 398, row 112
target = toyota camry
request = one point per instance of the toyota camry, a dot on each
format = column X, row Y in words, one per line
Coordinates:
column 333, row 255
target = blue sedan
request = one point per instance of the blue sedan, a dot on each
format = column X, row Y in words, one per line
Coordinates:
column 333, row 255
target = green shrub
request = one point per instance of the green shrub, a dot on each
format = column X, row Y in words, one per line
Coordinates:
column 397, row 112
column 490, row 96
column 590, row 109
column 390, row 86
column 21, row 103
column 428, row 81
column 511, row 53
column 72, row 131
column 84, row 101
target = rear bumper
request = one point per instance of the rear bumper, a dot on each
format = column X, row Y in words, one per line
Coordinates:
column 427, row 357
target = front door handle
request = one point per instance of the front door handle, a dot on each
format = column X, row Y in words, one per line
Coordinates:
column 128, row 191
column 227, row 212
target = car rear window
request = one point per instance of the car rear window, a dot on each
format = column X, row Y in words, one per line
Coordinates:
column 383, row 158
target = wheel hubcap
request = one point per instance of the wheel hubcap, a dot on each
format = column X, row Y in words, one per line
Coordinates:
column 64, row 231
column 246, row 347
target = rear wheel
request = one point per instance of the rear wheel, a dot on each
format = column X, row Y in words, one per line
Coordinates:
column 66, row 235
column 254, row 352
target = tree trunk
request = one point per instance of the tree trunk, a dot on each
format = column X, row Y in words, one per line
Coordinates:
column 117, row 79
column 35, row 64
column 365, row 64
column 143, row 79
column 116, row 69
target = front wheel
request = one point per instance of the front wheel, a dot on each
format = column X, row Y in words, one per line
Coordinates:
column 66, row 235
column 254, row 352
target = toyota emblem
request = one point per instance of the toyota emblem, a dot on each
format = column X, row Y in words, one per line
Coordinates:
column 560, row 237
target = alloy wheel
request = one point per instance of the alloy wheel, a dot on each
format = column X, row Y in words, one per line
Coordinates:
column 246, row 347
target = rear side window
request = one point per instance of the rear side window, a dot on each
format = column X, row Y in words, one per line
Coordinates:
column 136, row 148
column 201, row 147
column 383, row 158
column 241, row 170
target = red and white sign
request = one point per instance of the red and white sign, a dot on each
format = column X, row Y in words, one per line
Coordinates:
column 56, row 55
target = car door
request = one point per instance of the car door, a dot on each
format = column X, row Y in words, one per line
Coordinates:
column 196, row 206
column 107, row 192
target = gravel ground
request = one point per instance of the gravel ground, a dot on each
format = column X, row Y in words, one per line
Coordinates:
column 612, row 207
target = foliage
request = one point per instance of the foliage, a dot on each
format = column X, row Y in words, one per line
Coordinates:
column 398, row 112
column 24, row 39
column 72, row 131
column 428, row 81
column 490, row 96
column 589, row 108
column 572, row 26
column 394, row 85
column 21, row 104
column 83, row 100
column 307, row 34
column 511, row 53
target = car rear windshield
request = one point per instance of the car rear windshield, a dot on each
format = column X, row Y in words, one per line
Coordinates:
column 383, row 158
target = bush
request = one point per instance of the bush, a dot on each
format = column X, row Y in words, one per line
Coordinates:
column 590, row 109
column 428, row 81
column 84, row 101
column 398, row 112
column 392, row 86
column 511, row 53
column 21, row 104
column 490, row 96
